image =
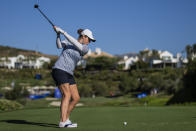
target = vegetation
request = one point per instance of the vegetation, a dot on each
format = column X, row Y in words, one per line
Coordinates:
column 7, row 105
column 148, row 55
column 106, row 82
column 187, row 92
column 18, row 93
column 101, row 63
column 103, row 77
column 190, row 50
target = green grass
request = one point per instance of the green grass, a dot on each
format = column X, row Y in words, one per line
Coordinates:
column 126, row 101
column 39, row 103
column 172, row 118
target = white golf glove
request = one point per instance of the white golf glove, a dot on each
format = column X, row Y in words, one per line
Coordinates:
column 58, row 30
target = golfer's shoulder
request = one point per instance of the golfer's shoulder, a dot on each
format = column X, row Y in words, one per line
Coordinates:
column 85, row 49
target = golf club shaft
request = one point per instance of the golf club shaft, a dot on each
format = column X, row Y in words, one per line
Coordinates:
column 45, row 17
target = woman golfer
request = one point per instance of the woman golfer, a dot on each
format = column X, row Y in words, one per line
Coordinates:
column 63, row 70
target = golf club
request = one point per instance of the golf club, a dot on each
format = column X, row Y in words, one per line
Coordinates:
column 37, row 7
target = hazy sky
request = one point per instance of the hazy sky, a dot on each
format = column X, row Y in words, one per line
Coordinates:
column 120, row 26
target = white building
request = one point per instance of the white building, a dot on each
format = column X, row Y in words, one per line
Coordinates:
column 40, row 61
column 89, row 52
column 128, row 61
column 168, row 60
column 193, row 56
column 12, row 62
column 165, row 55
column 98, row 51
column 21, row 61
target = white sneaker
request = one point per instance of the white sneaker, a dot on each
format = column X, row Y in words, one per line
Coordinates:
column 74, row 125
column 61, row 124
column 67, row 123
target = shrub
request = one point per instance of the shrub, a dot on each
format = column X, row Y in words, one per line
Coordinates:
column 100, row 88
column 85, row 90
column 101, row 63
column 7, row 105
column 128, row 84
column 18, row 93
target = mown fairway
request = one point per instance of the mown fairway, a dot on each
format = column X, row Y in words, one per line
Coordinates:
column 103, row 119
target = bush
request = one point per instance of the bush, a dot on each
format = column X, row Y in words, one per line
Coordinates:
column 18, row 93
column 100, row 88
column 47, row 65
column 156, row 81
column 7, row 105
column 141, row 65
column 85, row 90
column 128, row 84
column 101, row 63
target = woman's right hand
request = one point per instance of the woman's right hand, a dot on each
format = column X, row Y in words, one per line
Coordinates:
column 58, row 30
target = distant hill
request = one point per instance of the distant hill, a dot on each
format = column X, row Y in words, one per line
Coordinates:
column 94, row 55
column 127, row 54
column 6, row 51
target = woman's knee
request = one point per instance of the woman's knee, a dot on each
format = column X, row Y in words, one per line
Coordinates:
column 66, row 96
column 76, row 99
column 66, row 93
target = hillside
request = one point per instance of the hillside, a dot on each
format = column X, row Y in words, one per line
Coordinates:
column 6, row 51
column 127, row 54
column 94, row 55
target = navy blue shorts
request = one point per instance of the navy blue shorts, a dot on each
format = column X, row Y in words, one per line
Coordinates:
column 62, row 77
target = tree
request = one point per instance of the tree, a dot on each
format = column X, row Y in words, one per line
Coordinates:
column 189, row 52
column 128, row 84
column 101, row 63
column 148, row 56
column 47, row 65
column 100, row 88
column 188, row 91
column 155, row 54
column 144, row 54
column 194, row 48
column 141, row 65
column 153, row 80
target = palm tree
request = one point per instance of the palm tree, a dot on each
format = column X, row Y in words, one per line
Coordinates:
column 143, row 55
column 189, row 51
column 194, row 48
column 155, row 54
column 7, row 60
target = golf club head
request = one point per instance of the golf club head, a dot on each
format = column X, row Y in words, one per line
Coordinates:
column 36, row 6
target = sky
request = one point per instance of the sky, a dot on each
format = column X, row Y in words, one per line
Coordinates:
column 119, row 26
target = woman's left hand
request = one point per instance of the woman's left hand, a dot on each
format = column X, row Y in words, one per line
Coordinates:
column 58, row 30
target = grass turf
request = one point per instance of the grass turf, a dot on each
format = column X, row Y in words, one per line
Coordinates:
column 173, row 118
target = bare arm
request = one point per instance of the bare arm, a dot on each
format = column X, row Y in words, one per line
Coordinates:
column 60, row 44
column 58, row 41
column 73, row 41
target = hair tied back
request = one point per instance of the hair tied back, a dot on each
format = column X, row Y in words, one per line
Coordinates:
column 80, row 31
